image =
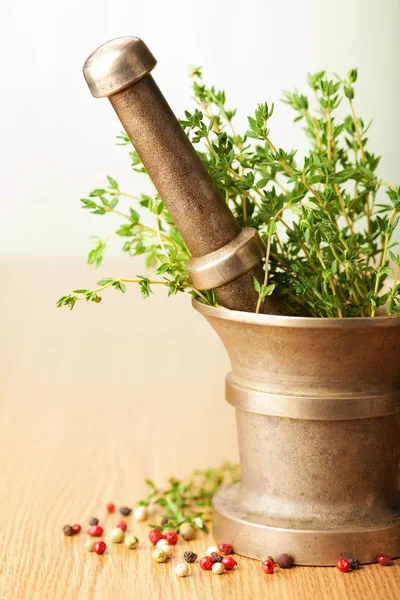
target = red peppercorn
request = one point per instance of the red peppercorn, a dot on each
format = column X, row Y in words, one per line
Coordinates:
column 76, row 528
column 155, row 536
column 383, row 559
column 268, row 566
column 225, row 548
column 229, row 563
column 343, row 565
column 100, row 547
column 95, row 531
column 171, row 537
column 122, row 525
column 206, row 563
column 110, row 507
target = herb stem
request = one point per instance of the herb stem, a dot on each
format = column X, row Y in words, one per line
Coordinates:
column 266, row 273
column 157, row 222
column 343, row 207
column 396, row 278
column 358, row 130
column 384, row 257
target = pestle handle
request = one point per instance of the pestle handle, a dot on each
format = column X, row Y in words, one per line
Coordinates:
column 120, row 70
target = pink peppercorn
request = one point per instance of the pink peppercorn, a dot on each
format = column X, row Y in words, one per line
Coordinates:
column 110, row 507
column 76, row 528
column 229, row 563
column 100, row 547
column 95, row 531
column 225, row 548
column 206, row 563
column 268, row 566
column 383, row 559
column 122, row 525
column 171, row 537
column 343, row 565
column 155, row 536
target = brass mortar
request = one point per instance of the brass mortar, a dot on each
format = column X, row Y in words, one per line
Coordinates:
column 317, row 405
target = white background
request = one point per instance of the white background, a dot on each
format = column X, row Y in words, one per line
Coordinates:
column 57, row 142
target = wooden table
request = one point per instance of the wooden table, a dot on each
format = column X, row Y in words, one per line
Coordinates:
column 92, row 403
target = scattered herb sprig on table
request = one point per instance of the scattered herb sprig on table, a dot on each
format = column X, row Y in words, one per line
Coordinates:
column 189, row 500
column 328, row 239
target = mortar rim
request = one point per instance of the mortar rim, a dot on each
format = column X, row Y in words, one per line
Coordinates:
column 238, row 316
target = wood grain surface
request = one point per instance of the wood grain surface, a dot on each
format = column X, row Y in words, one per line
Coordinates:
column 93, row 402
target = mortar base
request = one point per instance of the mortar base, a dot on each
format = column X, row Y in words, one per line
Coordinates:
column 251, row 536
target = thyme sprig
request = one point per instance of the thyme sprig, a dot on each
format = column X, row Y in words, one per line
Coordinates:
column 328, row 240
column 190, row 500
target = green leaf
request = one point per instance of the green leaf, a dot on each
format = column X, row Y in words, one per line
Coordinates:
column 112, row 183
column 261, row 183
column 256, row 284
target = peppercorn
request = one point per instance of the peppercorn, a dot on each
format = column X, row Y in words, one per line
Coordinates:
column 216, row 557
column 171, row 538
column 229, row 562
column 164, row 521
column 159, row 555
column 110, row 507
column 140, row 513
column 124, row 510
column 89, row 545
column 100, row 547
column 93, row 521
column 116, row 535
column 206, row 563
column 169, row 550
column 122, row 525
column 284, row 561
column 155, row 536
column 354, row 564
column 161, row 543
column 182, row 570
column 187, row 531
column 268, row 566
column 95, row 531
column 131, row 542
column 267, row 557
column 218, row 568
column 343, row 565
column 225, row 548
column 190, row 557
column 67, row 529
column 211, row 550
column 76, row 528
column 384, row 559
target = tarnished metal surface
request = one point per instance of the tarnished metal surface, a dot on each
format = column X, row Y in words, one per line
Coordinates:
column 117, row 64
column 317, row 405
column 227, row 263
column 200, row 213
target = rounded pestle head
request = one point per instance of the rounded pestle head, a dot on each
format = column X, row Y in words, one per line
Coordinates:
column 117, row 64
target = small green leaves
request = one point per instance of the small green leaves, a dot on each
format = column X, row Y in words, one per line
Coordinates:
column 258, row 124
column 395, row 257
column 144, row 283
column 263, row 290
column 67, row 301
column 95, row 256
column 112, row 183
column 328, row 238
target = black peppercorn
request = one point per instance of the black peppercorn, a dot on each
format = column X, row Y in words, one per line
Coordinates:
column 354, row 564
column 124, row 510
column 164, row 521
column 93, row 521
column 284, row 561
column 68, row 530
column 217, row 558
column 190, row 557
